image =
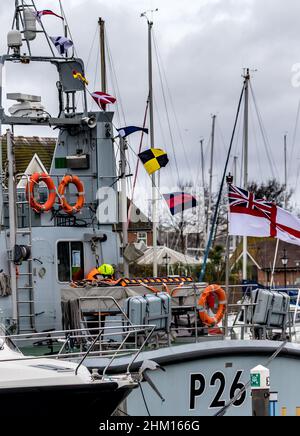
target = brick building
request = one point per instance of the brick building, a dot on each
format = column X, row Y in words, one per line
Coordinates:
column 140, row 228
column 261, row 253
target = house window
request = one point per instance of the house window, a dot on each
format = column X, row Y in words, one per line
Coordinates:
column 142, row 237
column 70, row 264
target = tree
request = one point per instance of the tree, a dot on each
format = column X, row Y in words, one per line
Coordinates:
column 216, row 267
column 272, row 190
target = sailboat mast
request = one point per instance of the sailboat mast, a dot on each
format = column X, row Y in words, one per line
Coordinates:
column 202, row 214
column 202, row 163
column 246, row 142
column 152, row 143
column 209, row 214
column 102, row 54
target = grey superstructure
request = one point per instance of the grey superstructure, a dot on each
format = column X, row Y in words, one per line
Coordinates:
column 85, row 149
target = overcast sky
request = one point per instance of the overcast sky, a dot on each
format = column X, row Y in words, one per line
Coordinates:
column 204, row 46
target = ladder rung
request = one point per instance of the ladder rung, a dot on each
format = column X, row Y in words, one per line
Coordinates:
column 25, row 274
column 27, row 316
column 24, row 287
column 25, row 302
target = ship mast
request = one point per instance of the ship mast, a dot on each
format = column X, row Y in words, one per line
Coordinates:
column 124, row 206
column 246, row 142
column 123, row 148
column 101, row 23
column 152, row 140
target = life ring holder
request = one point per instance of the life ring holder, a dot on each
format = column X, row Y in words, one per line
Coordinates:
column 34, row 180
column 212, row 321
column 68, row 208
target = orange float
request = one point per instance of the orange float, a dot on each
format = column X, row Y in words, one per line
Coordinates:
column 34, row 180
column 203, row 301
column 68, row 208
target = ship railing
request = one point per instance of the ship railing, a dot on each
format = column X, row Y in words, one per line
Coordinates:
column 237, row 320
column 79, row 344
column 237, row 298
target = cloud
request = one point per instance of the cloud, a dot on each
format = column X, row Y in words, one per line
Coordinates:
column 203, row 46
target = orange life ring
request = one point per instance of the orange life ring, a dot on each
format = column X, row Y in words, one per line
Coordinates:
column 202, row 305
column 61, row 192
column 34, row 180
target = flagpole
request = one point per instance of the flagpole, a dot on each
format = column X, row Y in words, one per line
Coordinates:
column 285, row 172
column 235, row 159
column 246, row 140
column 274, row 263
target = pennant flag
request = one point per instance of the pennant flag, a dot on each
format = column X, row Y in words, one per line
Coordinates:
column 249, row 216
column 61, row 43
column 102, row 99
column 80, row 77
column 154, row 159
column 180, row 201
column 125, row 131
column 40, row 14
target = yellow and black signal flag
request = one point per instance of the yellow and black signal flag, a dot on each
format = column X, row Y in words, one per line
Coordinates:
column 80, row 77
column 154, row 159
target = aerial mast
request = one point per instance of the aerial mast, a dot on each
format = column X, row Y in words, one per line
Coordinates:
column 101, row 23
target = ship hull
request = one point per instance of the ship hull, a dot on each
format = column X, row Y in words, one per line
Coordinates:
column 93, row 401
column 200, row 379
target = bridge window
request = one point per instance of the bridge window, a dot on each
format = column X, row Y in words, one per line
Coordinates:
column 70, row 263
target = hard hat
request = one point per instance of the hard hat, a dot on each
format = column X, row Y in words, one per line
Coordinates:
column 106, row 270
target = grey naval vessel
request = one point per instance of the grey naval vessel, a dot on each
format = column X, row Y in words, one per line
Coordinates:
column 187, row 356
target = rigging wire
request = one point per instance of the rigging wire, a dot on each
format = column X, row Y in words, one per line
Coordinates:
column 114, row 89
column 160, row 62
column 272, row 163
column 261, row 172
column 92, row 47
column 138, row 160
column 113, row 140
column 44, row 30
column 114, row 75
column 167, row 112
column 168, row 168
column 120, row 106
column 68, row 27
column 203, row 270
